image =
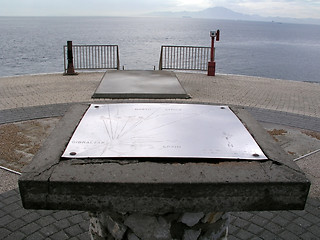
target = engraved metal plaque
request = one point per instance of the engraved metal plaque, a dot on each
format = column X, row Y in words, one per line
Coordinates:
column 161, row 130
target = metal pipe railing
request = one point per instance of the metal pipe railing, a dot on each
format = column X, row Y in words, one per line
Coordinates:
column 94, row 57
column 184, row 58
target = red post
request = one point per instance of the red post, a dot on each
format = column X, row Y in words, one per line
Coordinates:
column 212, row 63
column 70, row 69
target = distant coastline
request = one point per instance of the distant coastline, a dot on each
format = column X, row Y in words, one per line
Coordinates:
column 227, row 14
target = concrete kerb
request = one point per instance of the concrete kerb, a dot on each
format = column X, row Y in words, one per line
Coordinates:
column 261, row 115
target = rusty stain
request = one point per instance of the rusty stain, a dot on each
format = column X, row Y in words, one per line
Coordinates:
column 291, row 153
column 277, row 132
column 312, row 134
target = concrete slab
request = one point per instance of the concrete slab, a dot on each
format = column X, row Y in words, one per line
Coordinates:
column 140, row 84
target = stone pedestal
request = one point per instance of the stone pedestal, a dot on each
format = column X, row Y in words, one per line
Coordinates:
column 170, row 226
column 164, row 191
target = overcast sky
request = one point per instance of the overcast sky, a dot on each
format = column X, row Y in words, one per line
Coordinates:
column 281, row 8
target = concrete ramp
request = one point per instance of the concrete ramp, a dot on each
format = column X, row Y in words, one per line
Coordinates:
column 140, row 84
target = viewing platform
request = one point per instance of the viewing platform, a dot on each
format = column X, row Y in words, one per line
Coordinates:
column 280, row 102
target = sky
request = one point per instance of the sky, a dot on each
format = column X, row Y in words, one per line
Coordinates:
column 265, row 8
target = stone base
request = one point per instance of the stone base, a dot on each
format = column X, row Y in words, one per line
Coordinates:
column 171, row 226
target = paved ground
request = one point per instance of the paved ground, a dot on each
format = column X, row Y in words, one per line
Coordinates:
column 289, row 103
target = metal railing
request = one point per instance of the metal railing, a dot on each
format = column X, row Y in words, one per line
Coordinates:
column 93, row 57
column 184, row 58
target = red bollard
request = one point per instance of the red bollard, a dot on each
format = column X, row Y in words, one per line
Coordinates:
column 212, row 63
column 212, row 68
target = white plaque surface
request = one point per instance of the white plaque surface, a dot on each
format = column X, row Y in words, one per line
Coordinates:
column 152, row 130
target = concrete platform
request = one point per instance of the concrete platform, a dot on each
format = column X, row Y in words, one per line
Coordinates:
column 288, row 103
column 140, row 84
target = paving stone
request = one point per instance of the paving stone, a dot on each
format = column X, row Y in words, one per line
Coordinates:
column 61, row 215
column 289, row 235
column 233, row 229
column 44, row 213
column 4, row 232
column 315, row 229
column 280, row 221
column 245, row 215
column 73, row 230
column 6, row 220
column 63, row 223
column 30, row 228
column 83, row 236
column 78, row 218
column 16, row 224
column 268, row 235
column 10, row 208
column 10, row 193
column 259, row 220
column 84, row 225
column 312, row 203
column 35, row 236
column 10, row 200
column 312, row 218
column 295, row 229
column 302, row 222
column 15, row 236
column 255, row 229
column 241, row 223
column 2, row 213
column 243, row 234
column 233, row 238
column 49, row 230
column 272, row 227
column 266, row 214
column 290, row 216
column 31, row 216
column 300, row 213
column 59, row 236
column 46, row 220
column 256, row 238
column 309, row 236
column 20, row 212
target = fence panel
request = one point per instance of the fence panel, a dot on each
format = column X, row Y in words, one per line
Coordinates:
column 184, row 58
column 94, row 57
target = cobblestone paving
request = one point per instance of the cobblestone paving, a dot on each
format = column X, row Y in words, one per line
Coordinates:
column 18, row 223
column 272, row 94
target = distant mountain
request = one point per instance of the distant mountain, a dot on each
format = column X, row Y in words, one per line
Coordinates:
column 227, row 14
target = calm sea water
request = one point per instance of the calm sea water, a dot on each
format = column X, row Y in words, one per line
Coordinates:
column 31, row 45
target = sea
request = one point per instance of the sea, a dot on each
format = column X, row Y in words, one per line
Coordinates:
column 34, row 45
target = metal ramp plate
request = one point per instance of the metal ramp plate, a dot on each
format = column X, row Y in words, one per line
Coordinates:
column 151, row 130
column 140, row 84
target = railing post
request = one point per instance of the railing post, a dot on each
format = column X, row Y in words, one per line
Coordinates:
column 212, row 63
column 118, row 58
column 160, row 62
column 70, row 69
